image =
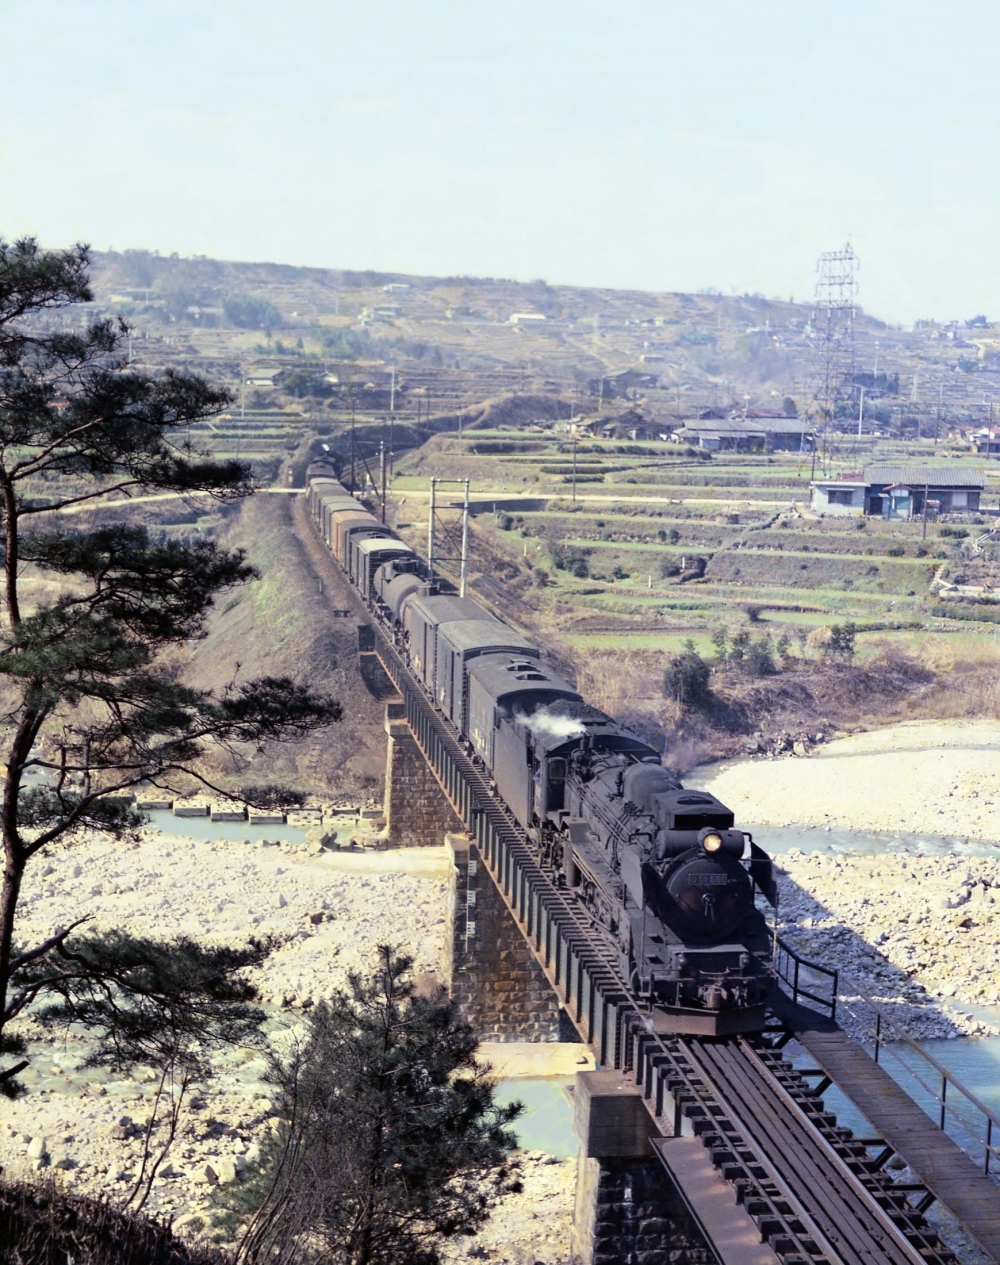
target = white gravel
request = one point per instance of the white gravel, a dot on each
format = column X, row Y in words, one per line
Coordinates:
column 216, row 892
column 925, row 778
column 921, row 932
column 223, row 893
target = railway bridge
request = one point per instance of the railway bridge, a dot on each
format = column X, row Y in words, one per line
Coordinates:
column 693, row 1150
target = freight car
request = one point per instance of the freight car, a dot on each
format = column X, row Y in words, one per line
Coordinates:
column 662, row 871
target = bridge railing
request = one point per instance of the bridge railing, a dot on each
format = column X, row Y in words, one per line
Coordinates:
column 939, row 1092
column 806, row 980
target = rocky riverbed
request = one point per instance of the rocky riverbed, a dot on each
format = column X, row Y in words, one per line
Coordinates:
column 922, row 778
column 86, row 1128
column 920, row 933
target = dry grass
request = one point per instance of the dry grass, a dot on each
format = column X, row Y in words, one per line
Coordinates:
column 943, row 681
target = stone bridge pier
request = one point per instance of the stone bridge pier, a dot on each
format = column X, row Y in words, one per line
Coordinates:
column 492, row 974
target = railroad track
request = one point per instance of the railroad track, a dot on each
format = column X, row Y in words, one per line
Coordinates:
column 816, row 1194
column 813, row 1188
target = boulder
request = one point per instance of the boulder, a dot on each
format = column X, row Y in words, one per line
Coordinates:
column 37, row 1147
column 225, row 1170
column 192, row 1222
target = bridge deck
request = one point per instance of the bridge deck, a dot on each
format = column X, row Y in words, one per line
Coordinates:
column 940, row 1163
column 725, row 1224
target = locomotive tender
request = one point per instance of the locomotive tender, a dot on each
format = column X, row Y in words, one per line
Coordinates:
column 658, row 868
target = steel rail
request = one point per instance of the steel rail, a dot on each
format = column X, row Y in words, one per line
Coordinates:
column 839, row 1204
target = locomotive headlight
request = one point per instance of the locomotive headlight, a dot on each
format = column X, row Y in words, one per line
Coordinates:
column 711, row 842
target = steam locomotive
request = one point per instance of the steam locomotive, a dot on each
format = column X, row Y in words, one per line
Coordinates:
column 663, row 873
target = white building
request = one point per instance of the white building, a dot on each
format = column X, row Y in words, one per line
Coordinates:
column 845, row 496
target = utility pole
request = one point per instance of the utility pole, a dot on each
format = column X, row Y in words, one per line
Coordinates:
column 448, row 531
column 430, row 535
column 925, row 512
column 575, row 442
column 937, row 420
column 861, row 411
column 353, row 442
column 465, row 542
column 381, row 462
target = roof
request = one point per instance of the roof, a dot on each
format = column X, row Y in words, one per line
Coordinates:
column 748, row 426
column 478, row 635
column 341, row 502
column 438, row 608
column 379, row 544
column 931, row 476
column 505, row 675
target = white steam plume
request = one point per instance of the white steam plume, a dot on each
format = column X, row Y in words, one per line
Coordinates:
column 544, row 725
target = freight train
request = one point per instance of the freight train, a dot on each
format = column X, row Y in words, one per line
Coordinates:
column 661, row 870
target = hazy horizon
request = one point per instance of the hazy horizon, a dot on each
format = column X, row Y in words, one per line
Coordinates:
column 640, row 145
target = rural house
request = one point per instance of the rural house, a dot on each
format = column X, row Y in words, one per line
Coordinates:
column 747, row 434
column 899, row 492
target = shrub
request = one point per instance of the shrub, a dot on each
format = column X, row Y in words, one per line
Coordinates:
column 390, row 1141
column 896, row 551
column 686, row 680
column 954, row 533
column 40, row 1225
column 759, row 659
column 841, row 642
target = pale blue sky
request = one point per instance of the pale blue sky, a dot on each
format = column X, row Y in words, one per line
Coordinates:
column 643, row 143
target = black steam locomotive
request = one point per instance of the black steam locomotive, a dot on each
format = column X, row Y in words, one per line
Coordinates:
column 661, row 870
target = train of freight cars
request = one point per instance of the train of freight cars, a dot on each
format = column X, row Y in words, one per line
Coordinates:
column 660, row 869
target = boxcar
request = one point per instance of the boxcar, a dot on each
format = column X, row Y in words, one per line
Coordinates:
column 422, row 616
column 460, row 642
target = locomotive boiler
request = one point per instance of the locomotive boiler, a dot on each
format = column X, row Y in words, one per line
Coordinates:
column 664, row 875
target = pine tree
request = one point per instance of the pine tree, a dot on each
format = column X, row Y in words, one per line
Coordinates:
column 391, row 1139
column 92, row 705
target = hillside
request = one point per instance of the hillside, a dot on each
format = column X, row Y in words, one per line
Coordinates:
column 452, row 343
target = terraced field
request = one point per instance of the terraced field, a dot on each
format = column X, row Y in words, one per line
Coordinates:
column 660, row 546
